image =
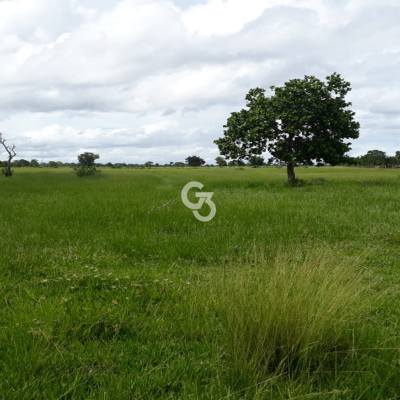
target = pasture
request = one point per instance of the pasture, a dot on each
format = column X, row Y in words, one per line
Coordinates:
column 111, row 289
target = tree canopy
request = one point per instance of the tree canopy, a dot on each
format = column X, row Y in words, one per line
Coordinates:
column 305, row 120
column 256, row 161
column 86, row 165
column 87, row 159
column 195, row 161
column 221, row 162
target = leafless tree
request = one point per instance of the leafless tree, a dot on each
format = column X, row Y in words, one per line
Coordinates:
column 11, row 154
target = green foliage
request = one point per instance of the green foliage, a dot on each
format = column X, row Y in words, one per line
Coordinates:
column 87, row 159
column 194, row 161
column 221, row 162
column 236, row 163
column 21, row 163
column 86, row 165
column 374, row 157
column 306, row 120
column 53, row 164
column 256, row 161
column 82, row 171
column 7, row 172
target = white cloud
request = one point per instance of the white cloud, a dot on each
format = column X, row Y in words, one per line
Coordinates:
column 156, row 76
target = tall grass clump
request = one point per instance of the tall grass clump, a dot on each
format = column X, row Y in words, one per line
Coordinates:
column 299, row 313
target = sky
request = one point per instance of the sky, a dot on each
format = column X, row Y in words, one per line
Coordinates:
column 156, row 80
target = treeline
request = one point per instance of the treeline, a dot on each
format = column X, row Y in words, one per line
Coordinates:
column 374, row 158
column 58, row 164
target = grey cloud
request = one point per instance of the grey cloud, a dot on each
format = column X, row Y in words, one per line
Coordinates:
column 138, row 59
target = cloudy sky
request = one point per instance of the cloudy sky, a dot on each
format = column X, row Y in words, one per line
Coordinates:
column 139, row 80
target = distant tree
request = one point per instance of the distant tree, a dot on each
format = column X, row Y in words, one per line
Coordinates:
column 34, row 163
column 256, row 161
column 351, row 161
column 179, row 164
column 305, row 120
column 86, row 166
column 397, row 157
column 391, row 161
column 87, row 159
column 53, row 164
column 236, row 163
column 148, row 164
column 374, row 157
column 21, row 163
column 221, row 162
column 194, row 161
column 6, row 171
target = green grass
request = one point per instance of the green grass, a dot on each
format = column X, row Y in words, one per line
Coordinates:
column 113, row 290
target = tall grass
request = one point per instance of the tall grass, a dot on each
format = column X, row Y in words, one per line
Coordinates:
column 294, row 314
column 112, row 289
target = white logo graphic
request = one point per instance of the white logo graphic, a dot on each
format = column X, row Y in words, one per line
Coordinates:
column 205, row 197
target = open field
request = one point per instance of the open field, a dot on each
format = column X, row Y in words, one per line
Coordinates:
column 111, row 289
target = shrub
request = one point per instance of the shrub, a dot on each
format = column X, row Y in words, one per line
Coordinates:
column 85, row 171
column 293, row 314
column 7, row 172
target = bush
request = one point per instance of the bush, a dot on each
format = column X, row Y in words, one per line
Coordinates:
column 295, row 314
column 6, row 172
column 85, row 171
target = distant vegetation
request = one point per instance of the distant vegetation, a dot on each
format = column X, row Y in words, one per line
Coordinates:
column 373, row 158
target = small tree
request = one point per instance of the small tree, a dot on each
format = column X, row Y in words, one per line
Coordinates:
column 86, row 165
column 305, row 120
column 221, row 162
column 236, row 163
column 7, row 172
column 194, row 161
column 148, row 164
column 256, row 161
column 87, row 159
column 53, row 164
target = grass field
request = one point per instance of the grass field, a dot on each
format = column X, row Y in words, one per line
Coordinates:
column 113, row 290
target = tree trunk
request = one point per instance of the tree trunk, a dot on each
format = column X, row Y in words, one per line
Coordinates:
column 290, row 172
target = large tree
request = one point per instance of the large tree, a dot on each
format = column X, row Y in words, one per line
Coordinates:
column 304, row 121
column 7, row 172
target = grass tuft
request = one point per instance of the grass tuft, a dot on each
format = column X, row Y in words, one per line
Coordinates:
column 297, row 313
